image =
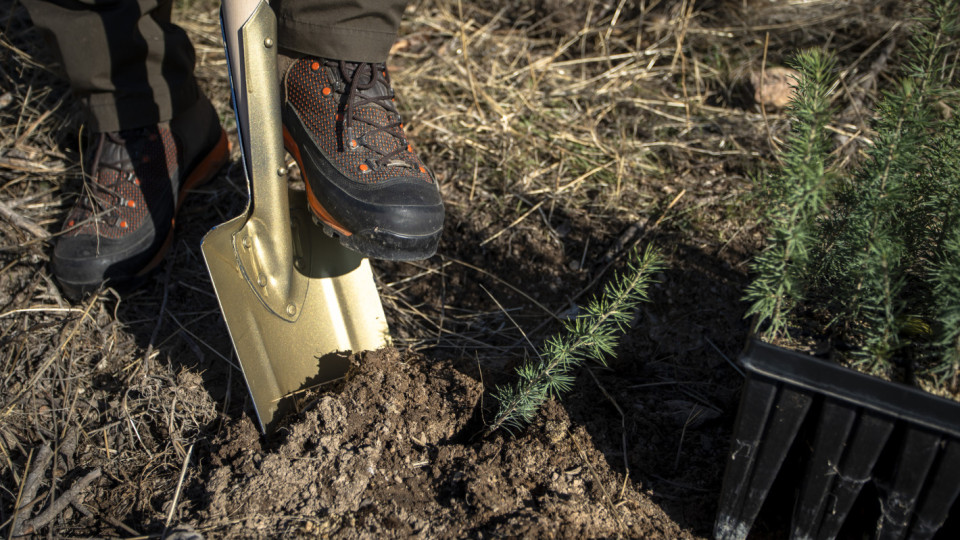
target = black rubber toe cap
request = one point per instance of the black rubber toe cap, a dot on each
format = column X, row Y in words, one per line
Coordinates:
column 403, row 206
column 86, row 261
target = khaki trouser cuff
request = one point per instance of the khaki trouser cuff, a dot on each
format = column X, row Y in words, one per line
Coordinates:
column 112, row 112
column 335, row 42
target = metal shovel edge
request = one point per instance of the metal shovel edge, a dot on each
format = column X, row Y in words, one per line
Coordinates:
column 296, row 302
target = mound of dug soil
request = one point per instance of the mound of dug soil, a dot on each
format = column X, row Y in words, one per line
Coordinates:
column 398, row 452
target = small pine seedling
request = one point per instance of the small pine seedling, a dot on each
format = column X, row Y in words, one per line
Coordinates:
column 799, row 192
column 593, row 335
column 890, row 220
column 946, row 288
column 879, row 248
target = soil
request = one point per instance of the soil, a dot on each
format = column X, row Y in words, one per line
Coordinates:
column 411, row 460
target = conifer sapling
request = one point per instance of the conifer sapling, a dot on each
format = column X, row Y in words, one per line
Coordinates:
column 593, row 335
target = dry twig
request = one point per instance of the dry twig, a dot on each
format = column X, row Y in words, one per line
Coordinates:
column 22, row 222
column 29, row 488
column 67, row 498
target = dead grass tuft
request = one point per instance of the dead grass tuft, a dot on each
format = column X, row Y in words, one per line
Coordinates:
column 594, row 116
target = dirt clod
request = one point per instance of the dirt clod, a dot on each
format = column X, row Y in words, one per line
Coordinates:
column 774, row 87
column 410, row 460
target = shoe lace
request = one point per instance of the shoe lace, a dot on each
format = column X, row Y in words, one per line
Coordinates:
column 362, row 79
column 100, row 197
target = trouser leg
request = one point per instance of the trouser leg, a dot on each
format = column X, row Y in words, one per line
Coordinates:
column 354, row 30
column 124, row 58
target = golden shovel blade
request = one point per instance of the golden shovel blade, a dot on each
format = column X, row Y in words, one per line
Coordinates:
column 295, row 301
column 341, row 312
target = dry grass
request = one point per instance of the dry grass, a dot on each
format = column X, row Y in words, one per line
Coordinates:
column 601, row 114
column 562, row 132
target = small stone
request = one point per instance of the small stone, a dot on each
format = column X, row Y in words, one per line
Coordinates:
column 556, row 430
column 776, row 88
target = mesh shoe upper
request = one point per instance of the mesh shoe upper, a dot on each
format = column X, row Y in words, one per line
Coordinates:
column 115, row 201
column 122, row 222
column 365, row 183
column 348, row 109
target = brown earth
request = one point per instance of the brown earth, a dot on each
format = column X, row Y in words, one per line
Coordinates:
column 399, row 452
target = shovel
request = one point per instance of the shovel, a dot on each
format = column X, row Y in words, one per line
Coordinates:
column 296, row 302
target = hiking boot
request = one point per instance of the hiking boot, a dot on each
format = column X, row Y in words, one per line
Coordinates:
column 122, row 224
column 365, row 184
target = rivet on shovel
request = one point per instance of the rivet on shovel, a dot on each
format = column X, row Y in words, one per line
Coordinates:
column 268, row 43
column 291, row 310
column 246, row 242
column 262, row 280
column 282, row 171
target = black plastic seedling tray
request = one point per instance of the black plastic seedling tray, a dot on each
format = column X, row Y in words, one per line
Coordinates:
column 858, row 430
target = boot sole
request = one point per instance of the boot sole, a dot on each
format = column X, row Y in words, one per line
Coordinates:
column 203, row 172
column 376, row 244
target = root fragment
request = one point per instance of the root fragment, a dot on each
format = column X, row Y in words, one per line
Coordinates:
column 68, row 498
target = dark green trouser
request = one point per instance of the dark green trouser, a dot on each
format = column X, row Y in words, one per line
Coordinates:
column 132, row 67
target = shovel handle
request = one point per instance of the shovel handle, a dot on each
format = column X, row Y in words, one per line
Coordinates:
column 233, row 15
column 265, row 245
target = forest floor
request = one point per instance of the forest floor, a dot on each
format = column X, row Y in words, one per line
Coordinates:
column 564, row 135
